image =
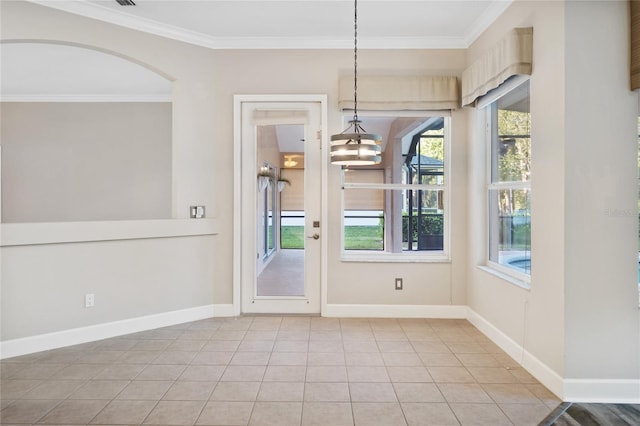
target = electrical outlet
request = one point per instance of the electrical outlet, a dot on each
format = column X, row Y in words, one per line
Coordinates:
column 89, row 300
column 398, row 283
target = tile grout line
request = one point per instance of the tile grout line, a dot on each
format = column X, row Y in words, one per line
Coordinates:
column 380, row 332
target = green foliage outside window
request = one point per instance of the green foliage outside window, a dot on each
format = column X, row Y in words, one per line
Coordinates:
column 433, row 147
column 363, row 238
column 514, row 157
column 514, row 128
column 430, row 224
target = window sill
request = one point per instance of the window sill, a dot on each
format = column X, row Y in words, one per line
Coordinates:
column 438, row 257
column 506, row 277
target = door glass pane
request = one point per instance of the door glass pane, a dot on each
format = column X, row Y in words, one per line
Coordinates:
column 292, row 211
column 282, row 273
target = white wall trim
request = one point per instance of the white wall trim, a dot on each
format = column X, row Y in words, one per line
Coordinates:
column 75, row 336
column 574, row 390
column 602, row 391
column 124, row 19
column 21, row 234
column 237, row 202
column 224, row 310
column 97, row 97
column 238, row 224
column 510, row 346
column 395, row 311
column 541, row 371
column 485, row 20
column 552, row 380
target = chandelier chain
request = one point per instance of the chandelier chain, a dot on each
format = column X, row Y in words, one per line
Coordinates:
column 354, row 146
column 355, row 63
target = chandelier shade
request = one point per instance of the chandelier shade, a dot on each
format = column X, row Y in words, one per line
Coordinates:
column 355, row 147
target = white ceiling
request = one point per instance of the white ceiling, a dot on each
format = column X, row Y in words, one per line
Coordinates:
column 227, row 24
column 79, row 73
column 74, row 73
column 290, row 137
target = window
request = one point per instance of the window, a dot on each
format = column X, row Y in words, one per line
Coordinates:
column 509, row 202
column 397, row 210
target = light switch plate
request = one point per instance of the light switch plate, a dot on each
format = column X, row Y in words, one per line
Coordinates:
column 196, row 212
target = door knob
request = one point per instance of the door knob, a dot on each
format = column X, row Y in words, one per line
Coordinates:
column 315, row 236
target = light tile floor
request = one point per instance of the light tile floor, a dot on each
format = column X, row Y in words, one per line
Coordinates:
column 272, row 370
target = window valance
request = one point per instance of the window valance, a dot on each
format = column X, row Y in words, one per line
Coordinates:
column 634, row 7
column 511, row 56
column 401, row 93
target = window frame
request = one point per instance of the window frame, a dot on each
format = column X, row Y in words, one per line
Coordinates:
column 423, row 256
column 488, row 104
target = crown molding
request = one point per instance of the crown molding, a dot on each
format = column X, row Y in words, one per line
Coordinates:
column 124, row 19
column 45, row 97
column 397, row 43
column 485, row 20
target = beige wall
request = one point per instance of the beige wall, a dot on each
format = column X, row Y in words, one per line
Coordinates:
column 582, row 294
column 532, row 318
column 171, row 274
column 204, row 83
column 292, row 196
column 43, row 286
column 580, row 318
column 74, row 161
column 318, row 71
column 602, row 333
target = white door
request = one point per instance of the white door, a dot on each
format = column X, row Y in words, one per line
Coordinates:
column 281, row 232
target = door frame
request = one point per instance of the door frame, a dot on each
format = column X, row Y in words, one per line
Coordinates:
column 238, row 231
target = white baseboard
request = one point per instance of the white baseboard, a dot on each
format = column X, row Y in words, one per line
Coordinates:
column 75, row 336
column 506, row 343
column 224, row 310
column 572, row 390
column 545, row 375
column 533, row 365
column 395, row 311
column 602, row 391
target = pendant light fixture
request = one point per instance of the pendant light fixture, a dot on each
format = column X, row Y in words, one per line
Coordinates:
column 354, row 146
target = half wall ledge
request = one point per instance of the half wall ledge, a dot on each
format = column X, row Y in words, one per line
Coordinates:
column 23, row 234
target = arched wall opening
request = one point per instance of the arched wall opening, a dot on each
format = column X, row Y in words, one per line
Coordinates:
column 86, row 135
